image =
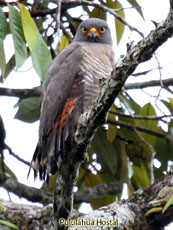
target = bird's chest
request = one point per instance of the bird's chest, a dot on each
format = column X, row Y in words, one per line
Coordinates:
column 94, row 68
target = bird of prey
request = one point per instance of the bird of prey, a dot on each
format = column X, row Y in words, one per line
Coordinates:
column 71, row 85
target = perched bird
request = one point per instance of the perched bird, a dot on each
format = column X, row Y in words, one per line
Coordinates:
column 71, row 85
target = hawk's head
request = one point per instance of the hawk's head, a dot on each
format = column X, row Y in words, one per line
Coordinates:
column 93, row 30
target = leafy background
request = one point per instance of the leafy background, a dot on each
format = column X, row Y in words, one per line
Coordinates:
column 138, row 130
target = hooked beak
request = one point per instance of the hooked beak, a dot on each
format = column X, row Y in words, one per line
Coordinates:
column 93, row 33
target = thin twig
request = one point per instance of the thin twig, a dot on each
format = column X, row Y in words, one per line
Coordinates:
column 66, row 33
column 139, row 117
column 16, row 156
column 58, row 23
column 154, row 83
column 139, row 128
column 145, row 72
column 73, row 3
column 35, row 92
column 111, row 11
column 22, row 93
column 161, row 84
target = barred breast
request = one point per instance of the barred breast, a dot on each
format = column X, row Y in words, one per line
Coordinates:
column 97, row 64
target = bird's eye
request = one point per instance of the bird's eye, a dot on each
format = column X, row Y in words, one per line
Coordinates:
column 84, row 30
column 102, row 30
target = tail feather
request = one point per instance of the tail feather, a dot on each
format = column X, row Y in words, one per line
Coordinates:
column 51, row 151
column 34, row 163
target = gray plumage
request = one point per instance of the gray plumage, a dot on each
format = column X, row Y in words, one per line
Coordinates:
column 71, row 85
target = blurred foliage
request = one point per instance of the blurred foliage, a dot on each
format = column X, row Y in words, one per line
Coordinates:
column 8, row 224
column 168, row 204
column 118, row 153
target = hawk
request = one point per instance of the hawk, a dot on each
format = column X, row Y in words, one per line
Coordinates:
column 71, row 85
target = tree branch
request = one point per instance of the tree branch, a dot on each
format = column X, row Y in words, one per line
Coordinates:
column 139, row 117
column 58, row 23
column 35, row 92
column 143, row 210
column 154, row 83
column 103, row 8
column 22, row 93
column 21, row 190
column 16, row 156
column 68, row 4
column 40, row 195
column 142, row 129
column 97, row 192
column 145, row 72
column 90, row 121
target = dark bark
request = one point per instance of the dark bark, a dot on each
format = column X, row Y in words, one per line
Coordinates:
column 40, row 195
column 22, row 93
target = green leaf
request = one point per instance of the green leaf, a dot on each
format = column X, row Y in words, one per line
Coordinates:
column 2, row 60
column 10, row 66
column 97, row 13
column 28, row 109
column 86, row 8
column 112, row 129
column 127, row 133
column 163, row 146
column 41, row 57
column 29, row 27
column 110, row 155
column 138, row 8
column 52, row 182
column 123, row 162
column 2, row 207
column 64, row 42
column 140, row 176
column 3, row 26
column 170, row 128
column 169, row 105
column 128, row 105
column 8, row 171
column 119, row 26
column 7, row 223
column 153, row 210
column 168, row 204
column 107, row 154
column 148, row 110
column 18, row 36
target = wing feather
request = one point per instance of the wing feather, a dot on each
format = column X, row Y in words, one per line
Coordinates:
column 60, row 98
